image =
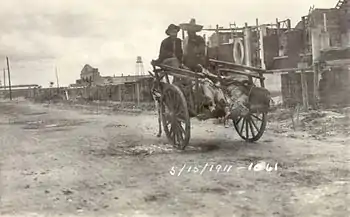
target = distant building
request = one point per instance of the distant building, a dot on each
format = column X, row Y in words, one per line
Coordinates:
column 91, row 76
column 123, row 79
column 88, row 73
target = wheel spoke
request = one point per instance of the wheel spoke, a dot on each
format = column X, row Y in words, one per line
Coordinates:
column 246, row 128
column 256, row 117
column 251, row 128
column 176, row 138
column 171, row 106
column 169, row 101
column 171, row 131
column 178, row 106
column 253, row 123
column 238, row 120
column 174, row 99
column 177, row 134
column 181, row 128
column 179, row 111
column 241, row 131
column 181, row 136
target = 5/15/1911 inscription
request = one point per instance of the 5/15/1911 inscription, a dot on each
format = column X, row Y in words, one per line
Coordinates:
column 200, row 169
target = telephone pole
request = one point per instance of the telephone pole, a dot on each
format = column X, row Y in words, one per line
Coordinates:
column 9, row 76
column 4, row 79
column 58, row 86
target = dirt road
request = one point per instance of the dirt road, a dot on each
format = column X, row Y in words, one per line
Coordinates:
column 57, row 162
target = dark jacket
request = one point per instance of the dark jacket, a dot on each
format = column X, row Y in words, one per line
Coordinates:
column 195, row 52
column 167, row 49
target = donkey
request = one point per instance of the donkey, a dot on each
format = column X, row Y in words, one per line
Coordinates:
column 156, row 98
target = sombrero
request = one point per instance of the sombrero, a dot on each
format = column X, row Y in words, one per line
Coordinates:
column 172, row 27
column 191, row 26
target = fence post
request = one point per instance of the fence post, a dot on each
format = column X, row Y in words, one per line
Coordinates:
column 247, row 50
column 304, row 90
column 262, row 34
column 9, row 76
column 316, row 70
column 119, row 92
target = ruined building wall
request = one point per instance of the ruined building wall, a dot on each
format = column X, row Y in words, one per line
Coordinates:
column 344, row 13
column 332, row 22
column 270, row 47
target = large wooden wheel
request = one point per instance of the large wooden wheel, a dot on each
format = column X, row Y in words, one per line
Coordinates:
column 251, row 127
column 175, row 116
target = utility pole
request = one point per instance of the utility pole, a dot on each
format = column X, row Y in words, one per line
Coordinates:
column 4, row 79
column 9, row 76
column 58, row 86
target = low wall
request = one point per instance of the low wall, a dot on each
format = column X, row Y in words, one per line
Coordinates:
column 139, row 92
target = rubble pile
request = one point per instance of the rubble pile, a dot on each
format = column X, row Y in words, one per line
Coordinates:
column 326, row 123
column 319, row 123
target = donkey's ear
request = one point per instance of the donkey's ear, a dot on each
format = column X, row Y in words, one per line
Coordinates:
column 151, row 74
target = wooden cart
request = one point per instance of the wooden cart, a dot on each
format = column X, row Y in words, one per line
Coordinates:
column 176, row 110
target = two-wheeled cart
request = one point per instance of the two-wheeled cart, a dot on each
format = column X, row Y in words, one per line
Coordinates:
column 179, row 103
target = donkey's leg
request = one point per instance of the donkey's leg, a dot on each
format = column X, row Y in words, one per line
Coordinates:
column 159, row 122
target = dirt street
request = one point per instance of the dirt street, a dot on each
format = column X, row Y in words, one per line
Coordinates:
column 69, row 162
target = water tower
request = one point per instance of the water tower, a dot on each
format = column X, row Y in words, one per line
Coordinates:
column 139, row 66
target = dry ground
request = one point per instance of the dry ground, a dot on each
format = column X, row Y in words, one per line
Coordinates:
column 59, row 161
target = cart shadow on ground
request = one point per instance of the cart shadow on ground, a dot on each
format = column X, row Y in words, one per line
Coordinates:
column 204, row 146
column 149, row 146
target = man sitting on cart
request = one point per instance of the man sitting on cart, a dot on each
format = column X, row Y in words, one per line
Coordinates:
column 171, row 53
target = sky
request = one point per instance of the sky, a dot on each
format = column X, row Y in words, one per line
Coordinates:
column 39, row 35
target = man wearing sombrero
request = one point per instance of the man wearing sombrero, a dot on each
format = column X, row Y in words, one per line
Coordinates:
column 194, row 46
column 194, row 55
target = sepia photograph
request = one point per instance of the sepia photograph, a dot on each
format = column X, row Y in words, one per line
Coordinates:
column 183, row 108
